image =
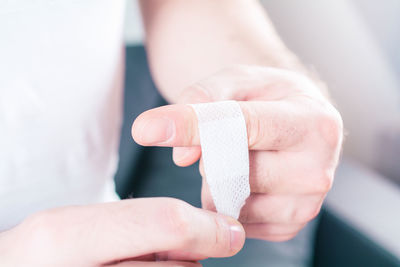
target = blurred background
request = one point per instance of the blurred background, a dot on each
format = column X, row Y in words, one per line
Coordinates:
column 354, row 47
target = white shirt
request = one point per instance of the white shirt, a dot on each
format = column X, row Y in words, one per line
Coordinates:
column 61, row 70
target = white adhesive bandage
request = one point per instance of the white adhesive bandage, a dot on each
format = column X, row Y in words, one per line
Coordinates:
column 225, row 153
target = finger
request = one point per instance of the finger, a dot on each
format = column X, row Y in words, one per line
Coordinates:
column 157, row 264
column 272, row 207
column 206, row 199
column 298, row 209
column 255, row 216
column 285, row 172
column 268, row 230
column 254, row 233
column 131, row 228
column 270, row 125
column 185, row 156
column 282, row 173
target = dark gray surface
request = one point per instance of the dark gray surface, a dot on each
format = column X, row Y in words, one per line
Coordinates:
column 368, row 203
column 339, row 243
column 140, row 95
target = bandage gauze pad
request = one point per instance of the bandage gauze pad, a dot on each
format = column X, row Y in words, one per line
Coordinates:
column 225, row 153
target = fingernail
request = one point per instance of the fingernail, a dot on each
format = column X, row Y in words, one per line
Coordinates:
column 237, row 236
column 157, row 131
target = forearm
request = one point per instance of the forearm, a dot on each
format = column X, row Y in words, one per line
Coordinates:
column 188, row 40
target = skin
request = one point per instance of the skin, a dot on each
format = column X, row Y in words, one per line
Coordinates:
column 135, row 232
column 295, row 133
column 294, row 137
column 202, row 51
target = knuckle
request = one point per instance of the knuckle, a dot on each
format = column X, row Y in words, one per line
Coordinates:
column 40, row 229
column 304, row 215
column 323, row 182
column 331, row 128
column 326, row 183
column 179, row 220
column 41, row 220
column 255, row 132
column 244, row 214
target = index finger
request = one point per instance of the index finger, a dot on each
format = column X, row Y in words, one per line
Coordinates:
column 271, row 125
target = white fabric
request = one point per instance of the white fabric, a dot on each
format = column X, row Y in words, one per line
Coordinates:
column 60, row 103
column 224, row 147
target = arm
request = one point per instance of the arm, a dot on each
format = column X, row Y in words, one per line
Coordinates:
column 188, row 40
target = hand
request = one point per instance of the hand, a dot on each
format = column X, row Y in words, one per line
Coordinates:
column 125, row 233
column 294, row 137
